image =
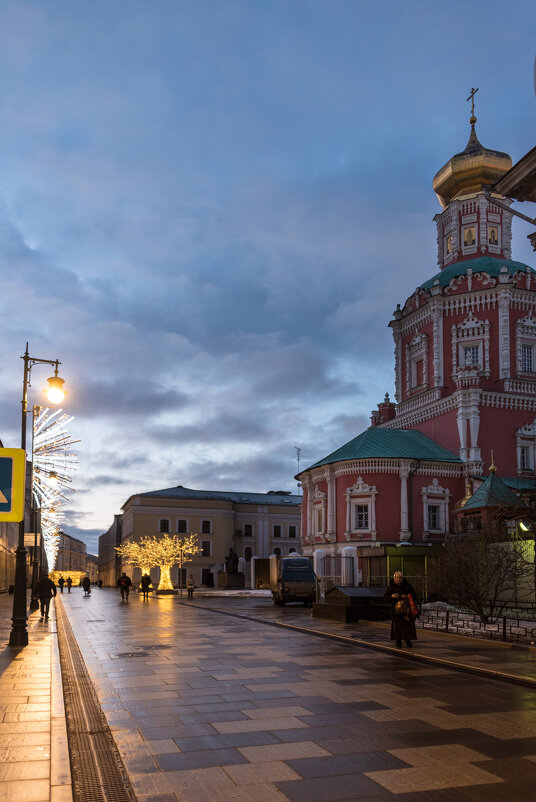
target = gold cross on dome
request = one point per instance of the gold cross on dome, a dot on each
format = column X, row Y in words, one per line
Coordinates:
column 472, row 99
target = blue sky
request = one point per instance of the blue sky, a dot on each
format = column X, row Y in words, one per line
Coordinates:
column 209, row 210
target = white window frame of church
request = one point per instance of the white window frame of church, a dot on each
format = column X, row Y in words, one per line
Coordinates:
column 362, row 495
column 525, row 340
column 471, row 333
column 435, row 496
column 319, row 511
column 526, row 448
column 416, row 351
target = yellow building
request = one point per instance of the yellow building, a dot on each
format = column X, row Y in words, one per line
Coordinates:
column 253, row 524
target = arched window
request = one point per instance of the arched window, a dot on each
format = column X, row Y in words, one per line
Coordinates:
column 277, row 552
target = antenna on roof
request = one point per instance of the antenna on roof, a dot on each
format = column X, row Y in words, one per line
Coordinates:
column 298, row 458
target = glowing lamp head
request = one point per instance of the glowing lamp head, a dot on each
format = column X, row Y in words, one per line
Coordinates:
column 55, row 392
column 523, row 527
column 53, row 478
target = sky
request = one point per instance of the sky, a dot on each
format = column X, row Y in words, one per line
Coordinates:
column 210, row 209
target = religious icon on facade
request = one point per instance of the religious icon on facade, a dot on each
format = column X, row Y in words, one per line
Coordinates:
column 469, row 236
column 493, row 235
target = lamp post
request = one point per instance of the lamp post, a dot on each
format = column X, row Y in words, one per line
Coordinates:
column 19, row 633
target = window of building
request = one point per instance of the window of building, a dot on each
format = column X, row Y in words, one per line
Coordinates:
column 248, row 553
column 163, row 525
column 524, row 458
column 527, row 358
column 182, row 526
column 277, row 552
column 361, row 516
column 469, row 236
column 471, row 355
column 361, row 510
column 206, row 548
column 319, row 520
column 292, row 531
column 248, row 530
column 434, row 516
column 205, row 574
column 277, row 530
column 206, row 527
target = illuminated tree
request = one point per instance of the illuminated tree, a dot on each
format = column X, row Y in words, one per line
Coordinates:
column 167, row 551
column 138, row 553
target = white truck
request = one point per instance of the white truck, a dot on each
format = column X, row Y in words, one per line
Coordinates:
column 292, row 579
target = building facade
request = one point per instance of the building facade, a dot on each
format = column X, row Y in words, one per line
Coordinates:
column 465, row 384
column 71, row 554
column 109, row 563
column 253, row 524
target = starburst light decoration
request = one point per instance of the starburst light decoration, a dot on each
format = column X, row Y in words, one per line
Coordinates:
column 53, row 465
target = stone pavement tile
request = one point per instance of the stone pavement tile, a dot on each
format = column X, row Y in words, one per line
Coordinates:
column 313, row 734
column 25, row 770
column 204, row 782
column 512, row 768
column 22, row 727
column 26, row 707
column 285, row 751
column 29, row 791
column 331, row 789
column 345, row 746
column 250, row 725
column 140, row 764
column 273, row 771
column 222, row 741
column 25, row 716
column 434, row 767
column 346, row 764
column 261, row 792
column 276, row 712
column 199, row 760
column 61, row 793
column 10, row 739
column 15, row 754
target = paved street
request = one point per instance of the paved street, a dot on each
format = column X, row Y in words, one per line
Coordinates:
column 208, row 705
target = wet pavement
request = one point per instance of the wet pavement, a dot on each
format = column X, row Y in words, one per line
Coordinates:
column 206, row 704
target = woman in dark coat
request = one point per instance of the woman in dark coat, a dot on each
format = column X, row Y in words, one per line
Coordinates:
column 402, row 625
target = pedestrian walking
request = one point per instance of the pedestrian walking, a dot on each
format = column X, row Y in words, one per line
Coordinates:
column 86, row 584
column 100, row 583
column 69, row 584
column 45, row 590
column 61, row 583
column 403, row 600
column 190, row 585
column 124, row 583
column 145, row 585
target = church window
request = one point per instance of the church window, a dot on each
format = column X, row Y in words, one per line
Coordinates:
column 434, row 516
column 206, row 548
column 523, row 458
column 163, row 525
column 471, row 355
column 361, row 510
column 319, row 520
column 527, row 358
column 469, row 236
column 319, row 511
column 361, row 516
column 277, row 530
column 526, row 448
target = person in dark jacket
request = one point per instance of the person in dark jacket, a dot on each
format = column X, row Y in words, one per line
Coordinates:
column 45, row 590
column 145, row 585
column 124, row 583
column 402, row 622
column 86, row 584
column 69, row 584
column 61, row 583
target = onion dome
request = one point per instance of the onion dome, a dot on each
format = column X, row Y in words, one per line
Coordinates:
column 467, row 172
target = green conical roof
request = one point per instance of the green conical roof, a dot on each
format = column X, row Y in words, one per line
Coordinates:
column 392, row 444
column 493, row 493
column 490, row 265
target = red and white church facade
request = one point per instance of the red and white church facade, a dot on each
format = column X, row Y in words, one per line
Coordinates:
column 465, row 384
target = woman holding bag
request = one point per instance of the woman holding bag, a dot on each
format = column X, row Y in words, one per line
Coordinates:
column 403, row 600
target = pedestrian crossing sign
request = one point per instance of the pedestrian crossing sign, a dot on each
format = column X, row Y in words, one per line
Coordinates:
column 12, row 482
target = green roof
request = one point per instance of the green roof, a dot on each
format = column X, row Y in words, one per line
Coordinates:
column 391, row 443
column 484, row 264
column 493, row 493
column 520, row 482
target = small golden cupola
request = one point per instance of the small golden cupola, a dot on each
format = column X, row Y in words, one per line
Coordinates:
column 471, row 226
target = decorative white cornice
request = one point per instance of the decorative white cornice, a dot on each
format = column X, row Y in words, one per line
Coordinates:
column 507, row 401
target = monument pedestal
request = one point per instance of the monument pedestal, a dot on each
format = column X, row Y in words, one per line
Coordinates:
column 226, row 580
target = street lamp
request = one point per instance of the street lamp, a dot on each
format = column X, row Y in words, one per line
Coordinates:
column 19, row 633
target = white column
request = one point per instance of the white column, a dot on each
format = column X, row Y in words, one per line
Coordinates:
column 318, row 558
column 349, row 551
column 332, row 513
column 404, row 513
column 474, row 425
column 437, row 317
column 504, row 332
column 310, row 533
column 462, row 426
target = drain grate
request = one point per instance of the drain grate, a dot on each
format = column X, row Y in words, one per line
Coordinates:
column 98, row 772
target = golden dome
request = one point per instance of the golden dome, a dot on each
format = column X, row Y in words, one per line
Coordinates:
column 467, row 172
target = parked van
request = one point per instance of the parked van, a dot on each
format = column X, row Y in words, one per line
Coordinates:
column 292, row 579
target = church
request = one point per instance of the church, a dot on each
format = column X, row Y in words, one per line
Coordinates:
column 465, row 381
